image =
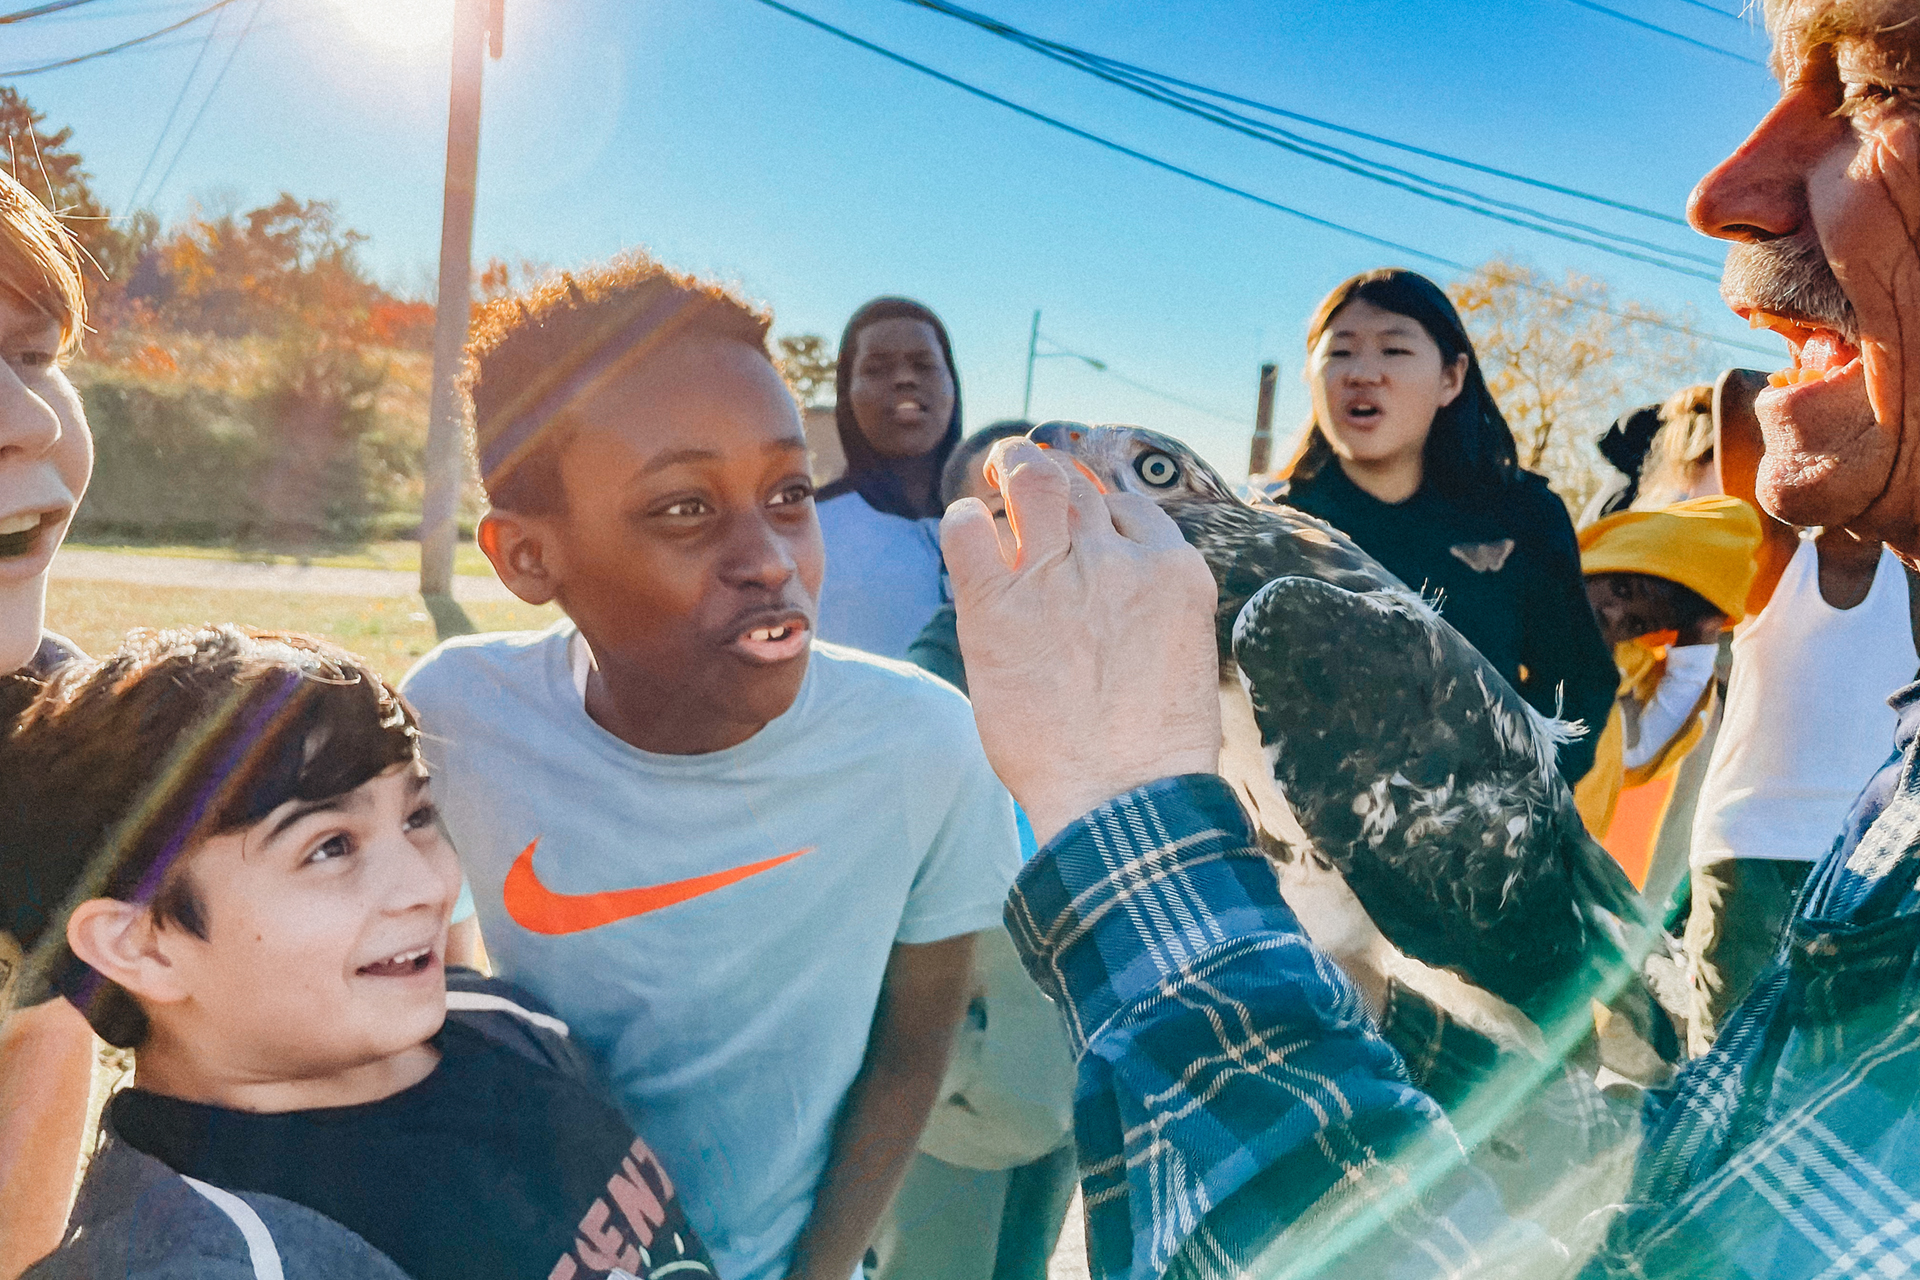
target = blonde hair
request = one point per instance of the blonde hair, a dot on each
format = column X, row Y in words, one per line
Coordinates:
column 1681, row 452
column 40, row 262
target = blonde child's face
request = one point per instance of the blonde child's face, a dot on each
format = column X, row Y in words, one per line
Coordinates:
column 46, row 457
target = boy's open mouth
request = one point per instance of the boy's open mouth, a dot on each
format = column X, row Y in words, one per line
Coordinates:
column 20, row 534
column 404, row 964
column 1818, row 353
column 773, row 641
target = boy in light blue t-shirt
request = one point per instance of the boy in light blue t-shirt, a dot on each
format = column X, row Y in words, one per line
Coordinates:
column 745, row 867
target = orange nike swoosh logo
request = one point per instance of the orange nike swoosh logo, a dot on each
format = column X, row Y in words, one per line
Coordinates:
column 538, row 909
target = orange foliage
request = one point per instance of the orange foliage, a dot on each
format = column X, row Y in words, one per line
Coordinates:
column 399, row 322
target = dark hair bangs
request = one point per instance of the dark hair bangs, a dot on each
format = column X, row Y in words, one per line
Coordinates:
column 335, row 735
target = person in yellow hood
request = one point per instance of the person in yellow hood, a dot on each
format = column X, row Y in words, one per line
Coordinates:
column 1663, row 585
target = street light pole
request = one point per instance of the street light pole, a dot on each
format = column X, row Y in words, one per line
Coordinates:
column 476, row 25
column 1033, row 343
column 1033, row 354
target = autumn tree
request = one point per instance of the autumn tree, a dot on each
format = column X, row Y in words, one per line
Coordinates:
column 1565, row 357
column 47, row 165
column 807, row 363
column 502, row 279
column 284, row 280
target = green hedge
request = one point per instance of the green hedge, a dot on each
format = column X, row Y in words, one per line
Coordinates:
column 183, row 462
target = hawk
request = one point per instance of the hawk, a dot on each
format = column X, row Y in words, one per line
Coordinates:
column 1409, row 763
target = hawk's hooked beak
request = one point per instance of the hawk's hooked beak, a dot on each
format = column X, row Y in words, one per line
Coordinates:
column 1062, row 437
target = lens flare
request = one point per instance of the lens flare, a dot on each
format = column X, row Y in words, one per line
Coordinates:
column 401, row 26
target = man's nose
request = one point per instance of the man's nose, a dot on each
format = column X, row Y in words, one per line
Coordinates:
column 1760, row 191
column 28, row 425
column 757, row 554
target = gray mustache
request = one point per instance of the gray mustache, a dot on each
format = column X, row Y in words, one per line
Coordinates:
column 1790, row 276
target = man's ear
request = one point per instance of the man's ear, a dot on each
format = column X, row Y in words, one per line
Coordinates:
column 519, row 548
column 118, row 941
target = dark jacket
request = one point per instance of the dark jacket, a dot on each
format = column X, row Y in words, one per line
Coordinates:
column 139, row 1219
column 136, row 1217
column 937, row 648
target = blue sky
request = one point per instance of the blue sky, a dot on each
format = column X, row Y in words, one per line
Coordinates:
column 733, row 140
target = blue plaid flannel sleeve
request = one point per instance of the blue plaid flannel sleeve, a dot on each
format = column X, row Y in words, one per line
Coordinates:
column 1221, row 1053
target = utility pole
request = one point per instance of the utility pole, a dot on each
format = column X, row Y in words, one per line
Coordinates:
column 477, row 27
column 1260, row 457
column 1033, row 343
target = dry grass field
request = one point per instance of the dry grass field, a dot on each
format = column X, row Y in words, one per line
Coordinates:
column 399, row 555
column 390, row 633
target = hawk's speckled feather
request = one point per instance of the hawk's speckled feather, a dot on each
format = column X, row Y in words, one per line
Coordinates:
column 1409, row 762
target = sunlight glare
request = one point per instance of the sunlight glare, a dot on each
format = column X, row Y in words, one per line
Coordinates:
column 403, row 26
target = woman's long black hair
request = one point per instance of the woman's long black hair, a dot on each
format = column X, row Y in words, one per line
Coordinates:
column 1469, row 451
column 908, row 487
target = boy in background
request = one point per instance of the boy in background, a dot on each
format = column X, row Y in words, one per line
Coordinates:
column 221, row 848
column 744, row 866
column 1663, row 584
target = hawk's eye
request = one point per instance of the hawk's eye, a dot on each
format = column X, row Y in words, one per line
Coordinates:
column 1157, row 469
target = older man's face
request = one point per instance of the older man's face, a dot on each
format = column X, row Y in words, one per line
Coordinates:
column 1824, row 200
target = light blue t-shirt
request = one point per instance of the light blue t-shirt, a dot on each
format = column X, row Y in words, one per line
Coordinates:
column 715, row 927
column 883, row 580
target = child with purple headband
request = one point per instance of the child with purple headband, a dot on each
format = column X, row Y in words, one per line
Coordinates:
column 221, row 848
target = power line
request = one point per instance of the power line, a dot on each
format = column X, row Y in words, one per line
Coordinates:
column 1097, row 140
column 124, row 44
column 1101, row 366
column 162, row 9
column 1527, row 218
column 1416, row 184
column 1226, row 187
column 1671, row 34
column 55, row 6
column 1239, row 421
column 1490, row 170
column 174, row 111
column 207, row 101
column 1002, row 29
column 1714, row 8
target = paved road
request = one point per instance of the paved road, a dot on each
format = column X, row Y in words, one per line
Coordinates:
column 79, row 564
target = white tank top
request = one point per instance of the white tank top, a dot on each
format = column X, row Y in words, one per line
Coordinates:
column 1807, row 721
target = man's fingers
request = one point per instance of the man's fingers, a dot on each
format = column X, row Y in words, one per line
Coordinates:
column 1140, row 519
column 971, row 546
column 1142, row 522
column 1039, row 498
column 1091, row 518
